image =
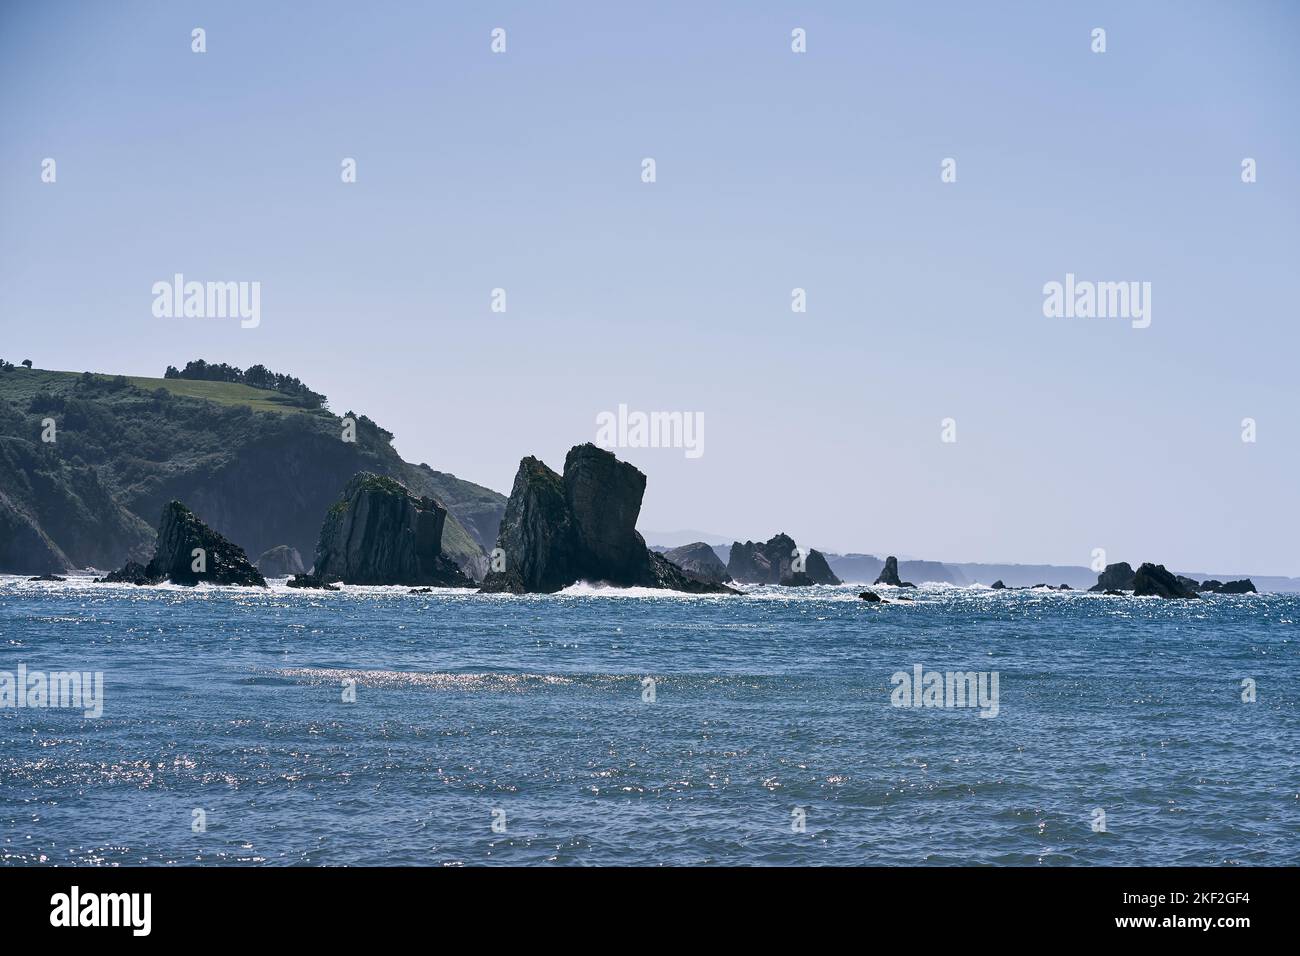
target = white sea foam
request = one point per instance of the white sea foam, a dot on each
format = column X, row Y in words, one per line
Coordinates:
column 515, row 683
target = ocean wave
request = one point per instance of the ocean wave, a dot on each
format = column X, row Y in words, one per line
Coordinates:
column 435, row 680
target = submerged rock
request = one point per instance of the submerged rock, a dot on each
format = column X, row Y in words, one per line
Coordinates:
column 311, row 581
column 557, row 530
column 872, row 597
column 281, row 561
column 379, row 533
column 1116, row 577
column 189, row 552
column 889, row 574
column 1154, row 580
column 47, row 577
column 699, row 561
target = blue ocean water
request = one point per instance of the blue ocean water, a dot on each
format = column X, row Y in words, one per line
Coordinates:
column 768, row 710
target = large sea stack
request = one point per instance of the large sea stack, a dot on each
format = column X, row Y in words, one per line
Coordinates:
column 189, row 552
column 379, row 533
column 581, row 527
column 889, row 574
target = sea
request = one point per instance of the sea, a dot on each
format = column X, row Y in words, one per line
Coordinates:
column 600, row 726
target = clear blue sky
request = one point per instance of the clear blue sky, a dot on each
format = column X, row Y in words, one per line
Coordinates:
column 775, row 170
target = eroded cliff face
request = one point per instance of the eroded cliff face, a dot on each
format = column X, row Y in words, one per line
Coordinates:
column 580, row 527
column 379, row 533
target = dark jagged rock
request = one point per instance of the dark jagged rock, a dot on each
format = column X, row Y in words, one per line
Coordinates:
column 871, row 597
column 818, row 568
column 312, row 581
column 699, row 561
column 665, row 574
column 1154, row 580
column 1110, row 592
column 1065, row 587
column 1116, row 577
column 47, row 577
column 759, row 562
column 133, row 572
column 604, row 497
column 420, row 591
column 185, row 542
column 281, row 561
column 536, row 534
column 774, row 562
column 189, row 552
column 999, row 586
column 889, row 574
column 1188, row 583
column 557, row 530
column 1244, row 586
column 379, row 533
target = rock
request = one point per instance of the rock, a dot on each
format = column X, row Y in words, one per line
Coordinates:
column 1116, row 577
column 420, row 591
column 1188, row 583
column 773, row 562
column 557, row 530
column 1065, row 587
column 1244, row 586
column 379, row 533
column 818, row 568
column 189, row 552
column 999, row 586
column 1154, row 580
column 664, row 574
column 699, row 561
column 1110, row 592
column 889, row 574
column 181, row 535
column 536, row 534
column 47, row 577
column 872, row 597
column 311, row 581
column 281, row 561
column 133, row 572
column 759, row 562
